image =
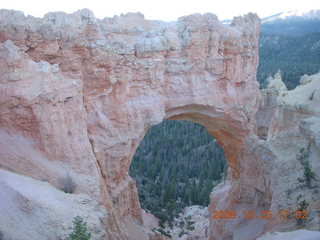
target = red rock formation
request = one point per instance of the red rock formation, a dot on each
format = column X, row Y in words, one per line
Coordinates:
column 81, row 93
column 77, row 95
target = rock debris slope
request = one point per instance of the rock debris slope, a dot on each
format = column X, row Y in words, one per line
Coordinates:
column 77, row 95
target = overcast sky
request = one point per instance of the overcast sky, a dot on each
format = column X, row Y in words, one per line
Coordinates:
column 166, row 10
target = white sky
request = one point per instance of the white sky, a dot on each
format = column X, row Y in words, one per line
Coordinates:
column 166, row 10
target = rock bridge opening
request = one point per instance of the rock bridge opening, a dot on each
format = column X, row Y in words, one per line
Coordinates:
column 229, row 132
column 176, row 165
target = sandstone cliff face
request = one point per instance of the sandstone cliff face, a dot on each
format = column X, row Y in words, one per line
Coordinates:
column 77, row 95
column 286, row 121
column 295, row 125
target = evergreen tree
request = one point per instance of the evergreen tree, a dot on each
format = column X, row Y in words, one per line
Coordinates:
column 80, row 230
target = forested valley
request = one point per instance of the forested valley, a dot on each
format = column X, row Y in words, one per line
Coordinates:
column 291, row 46
column 176, row 165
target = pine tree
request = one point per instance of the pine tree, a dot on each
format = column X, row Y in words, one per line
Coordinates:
column 80, row 230
column 308, row 173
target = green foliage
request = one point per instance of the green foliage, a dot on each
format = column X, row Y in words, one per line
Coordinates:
column 291, row 45
column 308, row 174
column 181, row 224
column 190, row 225
column 293, row 27
column 299, row 197
column 182, row 233
column 303, row 205
column 80, row 230
column 176, row 166
column 289, row 191
column 160, row 230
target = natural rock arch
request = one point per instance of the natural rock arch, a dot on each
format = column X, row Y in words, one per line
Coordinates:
column 89, row 89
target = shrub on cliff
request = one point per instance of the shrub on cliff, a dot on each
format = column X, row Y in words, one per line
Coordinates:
column 67, row 184
column 308, row 174
column 80, row 230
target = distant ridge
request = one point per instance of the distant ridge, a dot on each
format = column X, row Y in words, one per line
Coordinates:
column 289, row 41
column 310, row 14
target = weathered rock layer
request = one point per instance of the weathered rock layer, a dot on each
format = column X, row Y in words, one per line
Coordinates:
column 77, row 95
